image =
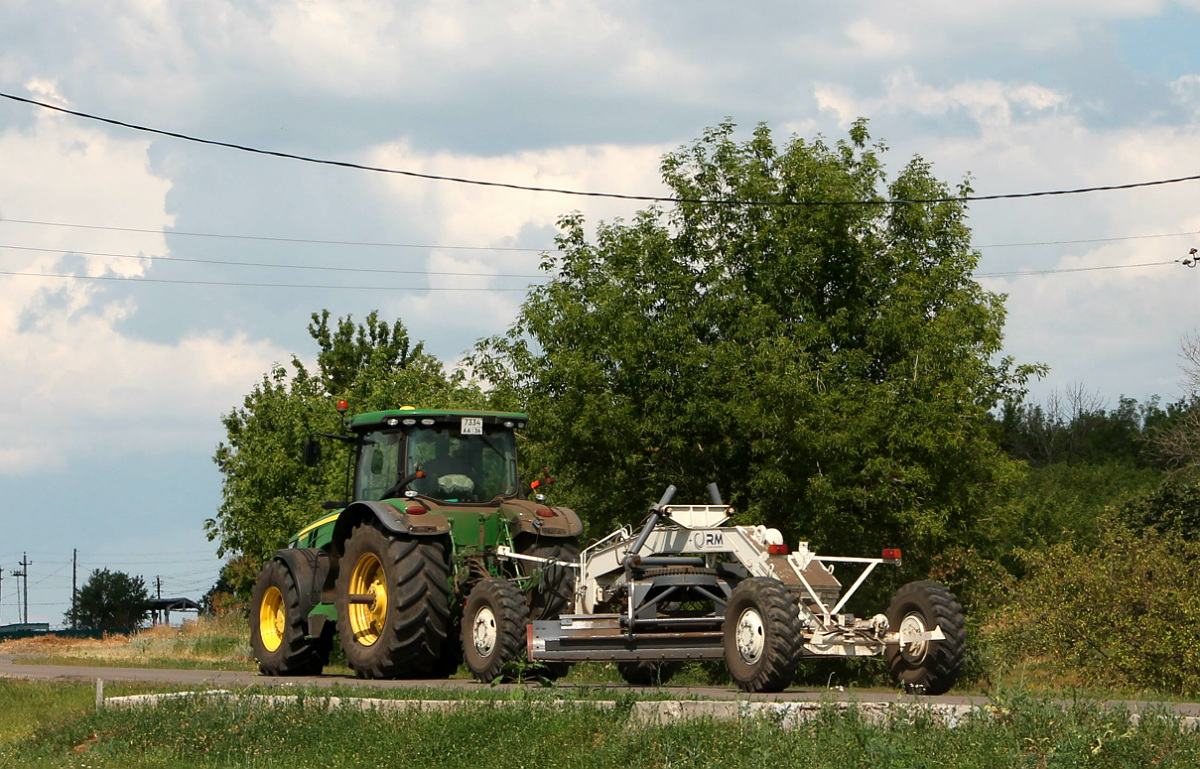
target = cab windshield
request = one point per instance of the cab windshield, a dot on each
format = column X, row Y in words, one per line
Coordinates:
column 462, row 468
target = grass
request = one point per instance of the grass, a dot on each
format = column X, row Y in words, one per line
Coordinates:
column 1021, row 731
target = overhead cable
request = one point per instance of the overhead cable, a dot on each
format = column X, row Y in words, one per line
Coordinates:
column 373, row 244
column 548, row 249
column 276, row 265
column 115, row 278
column 1019, row 273
column 593, row 194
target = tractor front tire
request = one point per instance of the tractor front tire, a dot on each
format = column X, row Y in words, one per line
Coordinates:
column 279, row 627
column 493, row 628
column 762, row 635
column 554, row 593
column 393, row 603
column 928, row 667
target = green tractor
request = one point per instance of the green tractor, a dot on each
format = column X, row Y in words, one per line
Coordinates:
column 440, row 557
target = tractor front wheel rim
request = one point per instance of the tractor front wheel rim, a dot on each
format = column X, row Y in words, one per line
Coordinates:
column 483, row 632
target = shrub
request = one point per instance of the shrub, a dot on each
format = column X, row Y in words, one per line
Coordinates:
column 1125, row 613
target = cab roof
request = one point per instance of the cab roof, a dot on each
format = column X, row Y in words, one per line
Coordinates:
column 372, row 418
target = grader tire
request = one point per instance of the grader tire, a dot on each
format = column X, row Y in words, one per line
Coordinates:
column 402, row 632
column 279, row 628
column 493, row 628
column 930, row 667
column 762, row 635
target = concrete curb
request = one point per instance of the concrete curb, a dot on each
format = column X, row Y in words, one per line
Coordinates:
column 646, row 713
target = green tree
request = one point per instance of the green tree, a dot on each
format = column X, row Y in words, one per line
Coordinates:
column 111, row 600
column 267, row 491
column 827, row 358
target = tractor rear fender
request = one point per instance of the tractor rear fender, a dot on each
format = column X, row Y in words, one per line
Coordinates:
column 310, row 568
column 562, row 522
column 391, row 518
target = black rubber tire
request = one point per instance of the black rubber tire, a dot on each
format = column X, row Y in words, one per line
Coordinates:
column 297, row 654
column 498, row 605
column 647, row 673
column 936, row 670
column 771, row 618
column 416, row 575
column 555, row 591
column 452, row 656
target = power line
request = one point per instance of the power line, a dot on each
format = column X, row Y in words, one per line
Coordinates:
column 251, row 285
column 443, row 247
column 276, row 265
column 1019, row 273
column 273, row 239
column 593, row 194
column 1089, row 240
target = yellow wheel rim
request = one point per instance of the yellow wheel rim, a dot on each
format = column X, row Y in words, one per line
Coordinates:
column 367, row 619
column 271, row 619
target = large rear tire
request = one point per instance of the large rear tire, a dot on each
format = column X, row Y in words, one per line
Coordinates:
column 493, row 628
column 402, row 630
column 554, row 593
column 762, row 635
column 279, row 626
column 929, row 667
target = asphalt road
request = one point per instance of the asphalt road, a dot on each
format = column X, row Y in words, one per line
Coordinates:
column 10, row 667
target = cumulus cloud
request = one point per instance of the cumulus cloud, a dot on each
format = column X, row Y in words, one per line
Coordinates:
column 74, row 385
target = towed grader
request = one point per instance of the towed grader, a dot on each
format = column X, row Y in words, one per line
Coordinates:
column 441, row 536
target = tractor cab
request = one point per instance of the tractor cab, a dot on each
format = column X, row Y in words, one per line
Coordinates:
column 452, row 457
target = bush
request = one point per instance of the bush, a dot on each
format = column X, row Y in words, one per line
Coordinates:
column 1125, row 614
column 1172, row 507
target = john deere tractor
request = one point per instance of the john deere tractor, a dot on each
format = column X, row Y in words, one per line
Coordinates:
column 439, row 529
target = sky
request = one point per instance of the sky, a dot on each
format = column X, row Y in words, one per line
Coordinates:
column 112, row 388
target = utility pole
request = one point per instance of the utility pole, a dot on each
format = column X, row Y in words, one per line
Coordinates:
column 23, row 573
column 74, row 591
column 25, row 564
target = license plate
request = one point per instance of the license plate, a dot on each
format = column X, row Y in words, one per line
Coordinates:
column 471, row 426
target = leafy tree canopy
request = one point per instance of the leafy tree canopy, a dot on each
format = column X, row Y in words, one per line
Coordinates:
column 831, row 365
column 111, row 600
column 267, row 491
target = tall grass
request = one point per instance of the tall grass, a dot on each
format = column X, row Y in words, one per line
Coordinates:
column 220, row 642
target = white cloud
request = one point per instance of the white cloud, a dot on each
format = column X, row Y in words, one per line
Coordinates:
column 484, row 216
column 74, row 385
column 987, row 102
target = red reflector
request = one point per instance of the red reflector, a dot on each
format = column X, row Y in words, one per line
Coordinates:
column 891, row 554
column 415, row 510
column 342, row 406
column 777, row 549
column 545, row 512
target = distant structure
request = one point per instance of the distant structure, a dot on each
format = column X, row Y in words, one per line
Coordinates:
column 24, row 628
column 162, row 608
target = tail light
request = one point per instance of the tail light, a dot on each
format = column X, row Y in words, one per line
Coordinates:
column 544, row 512
column 777, row 549
column 415, row 510
column 891, row 554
